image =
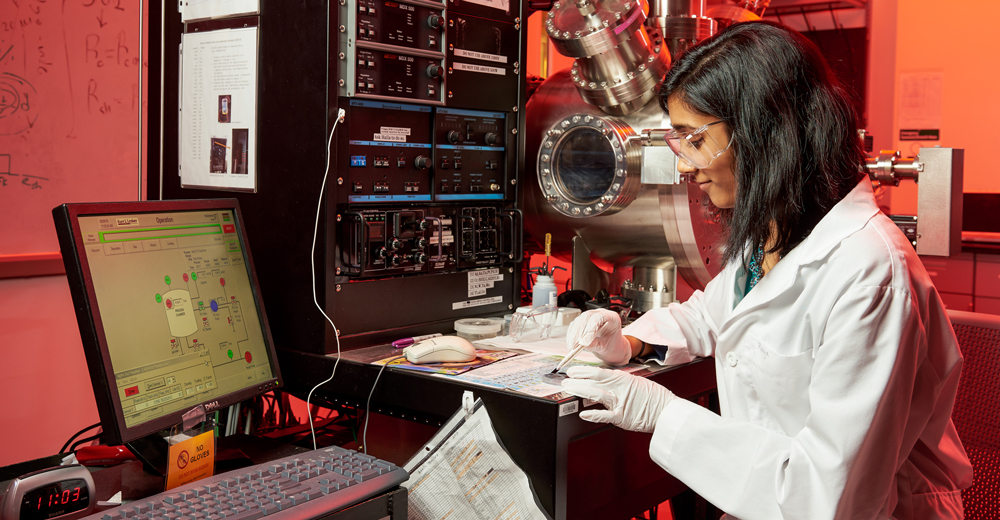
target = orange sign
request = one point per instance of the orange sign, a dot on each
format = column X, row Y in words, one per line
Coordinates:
column 191, row 460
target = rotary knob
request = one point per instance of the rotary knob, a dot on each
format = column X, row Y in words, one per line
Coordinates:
column 492, row 139
column 454, row 137
column 395, row 260
column 421, row 242
column 435, row 71
column 383, row 252
column 435, row 21
column 395, row 244
column 420, row 258
column 421, row 162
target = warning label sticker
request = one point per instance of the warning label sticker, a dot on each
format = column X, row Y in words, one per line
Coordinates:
column 480, row 56
column 480, row 281
column 468, row 67
column 476, row 303
column 393, row 130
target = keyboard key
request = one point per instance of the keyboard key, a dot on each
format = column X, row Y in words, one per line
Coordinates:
column 249, row 515
column 268, row 509
column 283, row 503
column 367, row 475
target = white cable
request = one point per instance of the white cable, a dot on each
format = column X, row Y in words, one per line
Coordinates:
column 312, row 265
column 368, row 405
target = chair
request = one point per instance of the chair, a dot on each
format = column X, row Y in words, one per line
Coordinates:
column 977, row 409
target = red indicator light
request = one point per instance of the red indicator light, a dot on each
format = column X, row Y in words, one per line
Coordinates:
column 132, row 390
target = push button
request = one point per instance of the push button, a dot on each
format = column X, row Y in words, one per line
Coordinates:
column 732, row 359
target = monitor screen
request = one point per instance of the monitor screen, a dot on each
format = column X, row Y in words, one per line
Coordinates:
column 168, row 307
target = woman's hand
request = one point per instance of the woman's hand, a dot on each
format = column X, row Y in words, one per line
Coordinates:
column 632, row 402
column 600, row 331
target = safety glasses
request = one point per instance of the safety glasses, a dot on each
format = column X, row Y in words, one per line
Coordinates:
column 533, row 325
column 697, row 147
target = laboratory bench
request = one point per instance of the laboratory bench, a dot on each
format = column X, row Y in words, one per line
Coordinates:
column 578, row 470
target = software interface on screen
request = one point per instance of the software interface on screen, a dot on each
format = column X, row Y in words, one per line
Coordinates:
column 177, row 308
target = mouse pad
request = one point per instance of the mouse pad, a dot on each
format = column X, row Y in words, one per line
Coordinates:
column 483, row 358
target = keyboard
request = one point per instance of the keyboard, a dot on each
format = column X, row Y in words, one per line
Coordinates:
column 302, row 486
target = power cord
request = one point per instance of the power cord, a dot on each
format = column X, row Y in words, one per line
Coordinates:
column 364, row 435
column 77, row 434
column 312, row 264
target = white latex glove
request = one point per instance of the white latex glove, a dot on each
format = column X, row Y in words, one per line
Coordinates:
column 632, row 402
column 600, row 331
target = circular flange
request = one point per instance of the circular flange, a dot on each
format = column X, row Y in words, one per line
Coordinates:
column 586, row 28
column 589, row 165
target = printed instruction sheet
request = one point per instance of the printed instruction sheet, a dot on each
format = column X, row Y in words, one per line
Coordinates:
column 192, row 10
column 464, row 472
column 218, row 119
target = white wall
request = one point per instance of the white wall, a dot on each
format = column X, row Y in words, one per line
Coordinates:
column 957, row 40
column 47, row 395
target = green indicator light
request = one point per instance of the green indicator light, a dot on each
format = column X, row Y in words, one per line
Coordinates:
column 230, row 354
column 201, row 304
column 166, row 279
column 159, row 299
column 194, row 276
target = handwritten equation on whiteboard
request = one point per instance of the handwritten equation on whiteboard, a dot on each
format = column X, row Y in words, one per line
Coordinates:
column 70, row 102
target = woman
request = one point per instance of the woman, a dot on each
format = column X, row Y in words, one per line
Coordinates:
column 836, row 363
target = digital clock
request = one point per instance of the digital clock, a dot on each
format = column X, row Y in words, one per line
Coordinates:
column 62, row 493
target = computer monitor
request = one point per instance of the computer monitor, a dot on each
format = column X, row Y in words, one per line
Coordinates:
column 169, row 309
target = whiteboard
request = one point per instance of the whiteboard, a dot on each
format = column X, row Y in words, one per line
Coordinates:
column 69, row 112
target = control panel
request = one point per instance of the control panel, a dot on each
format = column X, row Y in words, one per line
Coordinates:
column 426, row 239
column 469, row 154
column 393, row 50
column 389, row 152
column 417, row 25
column 414, row 153
column 426, row 158
column 397, row 75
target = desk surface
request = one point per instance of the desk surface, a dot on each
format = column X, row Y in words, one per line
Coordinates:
column 557, row 450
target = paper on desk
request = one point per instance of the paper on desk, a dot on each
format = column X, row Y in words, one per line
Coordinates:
column 464, row 472
column 550, row 346
column 526, row 373
column 557, row 347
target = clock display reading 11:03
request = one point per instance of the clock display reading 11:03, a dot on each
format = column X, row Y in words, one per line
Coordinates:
column 55, row 500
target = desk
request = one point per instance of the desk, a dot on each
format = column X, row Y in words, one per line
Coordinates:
column 579, row 470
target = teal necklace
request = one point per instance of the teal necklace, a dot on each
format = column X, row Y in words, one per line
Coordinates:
column 755, row 272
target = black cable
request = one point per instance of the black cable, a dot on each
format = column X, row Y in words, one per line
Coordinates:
column 81, row 441
column 77, row 434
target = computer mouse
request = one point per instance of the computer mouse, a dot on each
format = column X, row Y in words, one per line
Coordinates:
column 445, row 349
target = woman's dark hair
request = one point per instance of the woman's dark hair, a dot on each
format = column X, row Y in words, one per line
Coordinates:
column 793, row 127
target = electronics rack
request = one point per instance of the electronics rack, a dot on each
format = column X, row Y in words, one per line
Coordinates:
column 424, row 167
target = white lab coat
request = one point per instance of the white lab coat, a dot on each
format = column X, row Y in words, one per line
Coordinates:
column 836, row 374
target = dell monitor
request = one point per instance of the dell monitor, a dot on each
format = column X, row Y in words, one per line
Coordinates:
column 169, row 310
